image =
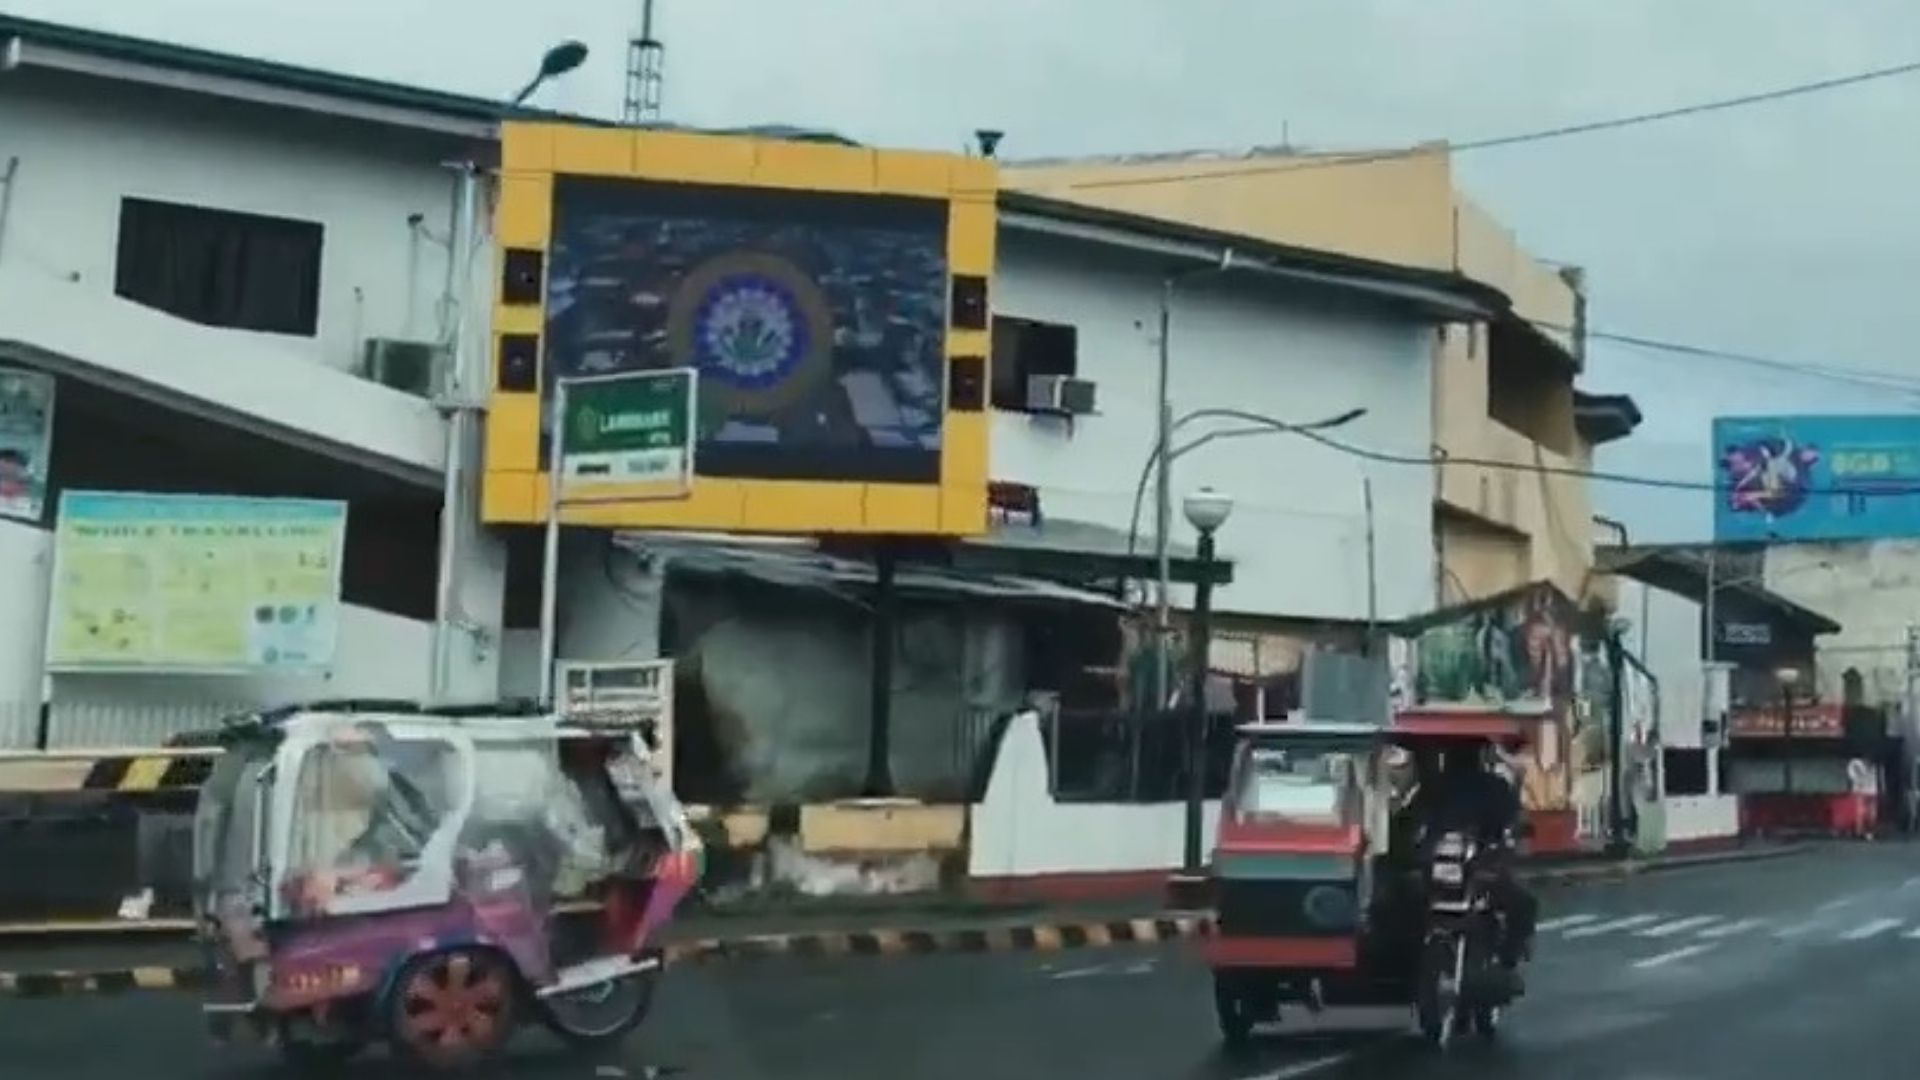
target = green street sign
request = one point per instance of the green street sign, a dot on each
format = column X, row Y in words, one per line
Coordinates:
column 634, row 428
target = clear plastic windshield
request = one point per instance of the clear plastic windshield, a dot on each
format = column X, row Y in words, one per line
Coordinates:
column 365, row 813
column 1312, row 787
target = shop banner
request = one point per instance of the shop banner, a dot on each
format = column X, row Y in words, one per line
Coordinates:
column 26, row 443
column 194, row 583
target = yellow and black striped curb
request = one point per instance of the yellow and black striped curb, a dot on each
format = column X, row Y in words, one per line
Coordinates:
column 860, row 943
column 1041, row 938
column 46, row 984
column 144, row 771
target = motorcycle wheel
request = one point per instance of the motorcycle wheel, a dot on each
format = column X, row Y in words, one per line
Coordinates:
column 1436, row 999
column 1234, row 1009
column 1486, row 1022
column 602, row 1015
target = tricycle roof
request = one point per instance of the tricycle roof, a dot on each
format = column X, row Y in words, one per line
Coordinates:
column 1300, row 734
column 489, row 721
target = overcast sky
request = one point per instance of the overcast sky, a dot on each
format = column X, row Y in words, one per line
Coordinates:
column 1790, row 230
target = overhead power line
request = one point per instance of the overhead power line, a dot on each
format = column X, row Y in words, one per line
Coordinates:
column 1265, row 424
column 1541, row 135
column 1873, row 380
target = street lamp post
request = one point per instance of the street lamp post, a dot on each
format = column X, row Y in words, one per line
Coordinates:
column 1206, row 510
column 459, row 392
column 559, row 60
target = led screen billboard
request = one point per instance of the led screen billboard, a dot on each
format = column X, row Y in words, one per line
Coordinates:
column 1816, row 477
column 816, row 319
column 833, row 300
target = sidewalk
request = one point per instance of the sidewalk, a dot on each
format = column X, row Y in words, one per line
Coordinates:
column 99, row 960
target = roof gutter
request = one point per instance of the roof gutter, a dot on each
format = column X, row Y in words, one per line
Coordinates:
column 1153, row 237
column 20, row 53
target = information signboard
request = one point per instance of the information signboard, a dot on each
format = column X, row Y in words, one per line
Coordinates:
column 194, row 583
column 628, row 436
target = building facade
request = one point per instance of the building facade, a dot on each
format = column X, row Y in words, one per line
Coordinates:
column 1502, row 384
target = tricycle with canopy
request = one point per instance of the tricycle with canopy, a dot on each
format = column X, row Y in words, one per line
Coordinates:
column 1325, row 896
column 375, row 871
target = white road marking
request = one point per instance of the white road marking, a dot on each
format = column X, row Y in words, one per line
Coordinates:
column 1678, row 926
column 1910, row 884
column 1565, row 921
column 1871, row 929
column 1610, row 926
column 1669, row 957
column 1912, row 934
column 1727, row 930
column 1836, row 904
column 1304, row 1068
column 1079, row 973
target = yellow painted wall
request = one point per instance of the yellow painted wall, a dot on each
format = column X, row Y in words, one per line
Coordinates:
column 1399, row 209
column 532, row 155
column 1554, row 513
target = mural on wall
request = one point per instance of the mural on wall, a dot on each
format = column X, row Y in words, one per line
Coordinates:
column 1522, row 651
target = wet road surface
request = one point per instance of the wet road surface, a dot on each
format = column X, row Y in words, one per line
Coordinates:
column 1805, row 968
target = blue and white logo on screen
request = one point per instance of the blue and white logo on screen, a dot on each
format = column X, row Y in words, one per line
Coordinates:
column 750, row 331
column 759, row 330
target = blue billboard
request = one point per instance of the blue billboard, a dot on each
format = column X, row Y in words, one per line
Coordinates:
column 1816, row 477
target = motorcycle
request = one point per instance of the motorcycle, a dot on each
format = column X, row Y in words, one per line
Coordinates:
column 1462, row 984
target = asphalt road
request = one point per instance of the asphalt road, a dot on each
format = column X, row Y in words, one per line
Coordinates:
column 1803, row 968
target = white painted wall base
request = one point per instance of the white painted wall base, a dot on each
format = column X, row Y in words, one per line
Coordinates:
column 1692, row 818
column 1019, row 831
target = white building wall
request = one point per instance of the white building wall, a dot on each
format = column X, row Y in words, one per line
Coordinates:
column 25, row 556
column 1298, row 531
column 81, row 146
column 1872, row 589
column 1665, row 634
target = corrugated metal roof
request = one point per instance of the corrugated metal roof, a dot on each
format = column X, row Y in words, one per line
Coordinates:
column 801, row 565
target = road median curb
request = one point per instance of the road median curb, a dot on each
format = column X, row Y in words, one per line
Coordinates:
column 1028, row 938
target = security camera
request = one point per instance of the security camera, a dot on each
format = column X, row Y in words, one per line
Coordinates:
column 416, row 219
column 989, row 140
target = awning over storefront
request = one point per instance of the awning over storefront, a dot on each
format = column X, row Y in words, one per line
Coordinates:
column 800, row 564
column 1079, row 551
column 1683, row 569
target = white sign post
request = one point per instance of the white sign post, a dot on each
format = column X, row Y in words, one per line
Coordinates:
column 616, row 439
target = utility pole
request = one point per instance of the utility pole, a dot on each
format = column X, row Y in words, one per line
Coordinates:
column 459, row 400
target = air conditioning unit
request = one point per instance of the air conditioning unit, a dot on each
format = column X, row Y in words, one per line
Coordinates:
column 412, row 367
column 1060, row 394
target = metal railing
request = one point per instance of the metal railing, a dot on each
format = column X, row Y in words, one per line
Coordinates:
column 1112, row 756
column 31, row 725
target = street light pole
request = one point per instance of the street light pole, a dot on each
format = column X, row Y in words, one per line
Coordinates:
column 1206, row 510
column 459, row 391
column 1197, row 727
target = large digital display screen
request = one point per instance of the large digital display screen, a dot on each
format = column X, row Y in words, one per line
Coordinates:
column 1816, row 477
column 816, row 319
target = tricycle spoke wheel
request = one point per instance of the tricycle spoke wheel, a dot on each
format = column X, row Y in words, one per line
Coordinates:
column 453, row 1009
column 602, row 1014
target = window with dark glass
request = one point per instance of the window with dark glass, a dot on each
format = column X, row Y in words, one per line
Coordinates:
column 1023, row 348
column 220, row 267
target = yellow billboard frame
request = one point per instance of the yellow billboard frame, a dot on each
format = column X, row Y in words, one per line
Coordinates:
column 534, row 155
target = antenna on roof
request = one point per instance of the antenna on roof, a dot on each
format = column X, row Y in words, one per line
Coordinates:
column 646, row 62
